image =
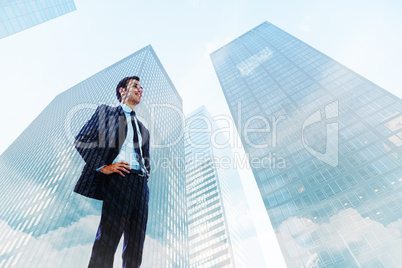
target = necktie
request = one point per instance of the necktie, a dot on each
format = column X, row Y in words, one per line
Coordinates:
column 137, row 145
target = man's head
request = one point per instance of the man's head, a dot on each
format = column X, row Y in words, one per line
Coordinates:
column 129, row 90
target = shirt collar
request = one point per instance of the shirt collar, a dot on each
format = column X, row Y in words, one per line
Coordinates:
column 125, row 108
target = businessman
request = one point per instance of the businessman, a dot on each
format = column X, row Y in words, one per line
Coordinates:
column 115, row 147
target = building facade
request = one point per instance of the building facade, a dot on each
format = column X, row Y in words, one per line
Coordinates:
column 324, row 145
column 43, row 223
column 209, row 241
column 218, row 224
column 18, row 15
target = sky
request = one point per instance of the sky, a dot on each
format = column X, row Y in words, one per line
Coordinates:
column 41, row 62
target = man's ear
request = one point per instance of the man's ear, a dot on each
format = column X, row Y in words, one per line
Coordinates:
column 121, row 90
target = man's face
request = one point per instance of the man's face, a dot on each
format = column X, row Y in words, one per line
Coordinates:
column 133, row 92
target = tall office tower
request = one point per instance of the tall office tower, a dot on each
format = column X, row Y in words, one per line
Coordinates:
column 218, row 226
column 43, row 223
column 16, row 16
column 324, row 144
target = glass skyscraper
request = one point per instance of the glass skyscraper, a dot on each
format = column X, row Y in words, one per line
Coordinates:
column 218, row 223
column 209, row 243
column 18, row 15
column 324, row 144
column 43, row 223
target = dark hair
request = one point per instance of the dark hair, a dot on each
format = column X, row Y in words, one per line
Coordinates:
column 123, row 83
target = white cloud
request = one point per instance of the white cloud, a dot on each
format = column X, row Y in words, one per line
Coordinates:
column 80, row 232
column 360, row 239
column 67, row 247
column 46, row 250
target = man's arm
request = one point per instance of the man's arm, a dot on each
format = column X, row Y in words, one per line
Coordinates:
column 87, row 142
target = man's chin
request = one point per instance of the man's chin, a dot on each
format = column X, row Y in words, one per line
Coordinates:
column 136, row 101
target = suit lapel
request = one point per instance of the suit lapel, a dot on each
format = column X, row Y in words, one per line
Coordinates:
column 120, row 131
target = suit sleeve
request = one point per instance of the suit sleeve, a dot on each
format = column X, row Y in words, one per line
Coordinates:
column 87, row 142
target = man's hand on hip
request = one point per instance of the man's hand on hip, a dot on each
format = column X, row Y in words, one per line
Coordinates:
column 118, row 167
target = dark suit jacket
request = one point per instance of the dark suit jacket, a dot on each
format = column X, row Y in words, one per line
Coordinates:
column 99, row 142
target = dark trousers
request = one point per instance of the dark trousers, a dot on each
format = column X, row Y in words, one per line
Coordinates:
column 124, row 211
